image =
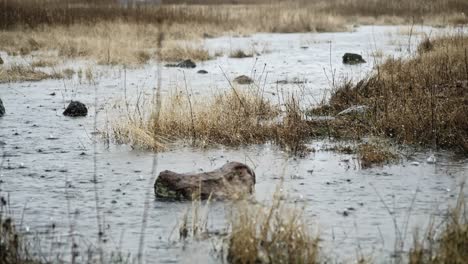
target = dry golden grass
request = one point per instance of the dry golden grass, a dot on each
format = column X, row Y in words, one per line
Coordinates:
column 22, row 73
column 417, row 101
column 177, row 51
column 371, row 154
column 231, row 118
column 276, row 233
column 45, row 62
column 113, row 34
column 448, row 245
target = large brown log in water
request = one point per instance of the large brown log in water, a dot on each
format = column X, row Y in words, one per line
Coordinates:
column 231, row 181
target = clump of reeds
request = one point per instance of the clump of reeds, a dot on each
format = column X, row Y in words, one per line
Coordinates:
column 448, row 245
column 21, row 73
column 232, row 118
column 194, row 222
column 421, row 100
column 239, row 54
column 180, row 51
column 371, row 154
column 13, row 249
column 276, row 233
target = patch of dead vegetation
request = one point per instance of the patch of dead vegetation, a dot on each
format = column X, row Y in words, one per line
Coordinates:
column 275, row 233
column 27, row 73
column 110, row 33
column 232, row 118
column 422, row 100
column 447, row 245
column 371, row 154
column 175, row 51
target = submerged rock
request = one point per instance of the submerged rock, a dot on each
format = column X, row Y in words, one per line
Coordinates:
column 352, row 58
column 243, row 79
column 2, row 108
column 183, row 64
column 232, row 180
column 355, row 110
column 76, row 108
column 202, row 72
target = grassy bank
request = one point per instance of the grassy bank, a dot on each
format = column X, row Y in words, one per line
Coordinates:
column 110, row 33
column 421, row 101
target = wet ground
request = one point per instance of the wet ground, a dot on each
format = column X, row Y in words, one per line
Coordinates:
column 49, row 159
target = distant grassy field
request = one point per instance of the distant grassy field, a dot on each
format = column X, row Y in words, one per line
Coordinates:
column 113, row 33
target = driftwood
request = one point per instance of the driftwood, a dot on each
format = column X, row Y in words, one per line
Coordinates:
column 232, row 180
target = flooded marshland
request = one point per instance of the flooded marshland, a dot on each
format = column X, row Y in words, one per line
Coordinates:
column 48, row 166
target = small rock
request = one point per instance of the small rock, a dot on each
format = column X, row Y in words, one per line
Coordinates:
column 52, row 94
column 243, row 79
column 352, row 58
column 206, row 35
column 2, row 108
column 187, row 64
column 76, row 108
column 345, row 213
column 202, row 72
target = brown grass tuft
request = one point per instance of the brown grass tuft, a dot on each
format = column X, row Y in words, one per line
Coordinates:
column 232, row 118
column 276, row 233
column 22, row 73
column 450, row 244
column 178, row 51
column 370, row 155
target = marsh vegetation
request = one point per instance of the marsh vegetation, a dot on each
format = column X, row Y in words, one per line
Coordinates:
column 340, row 159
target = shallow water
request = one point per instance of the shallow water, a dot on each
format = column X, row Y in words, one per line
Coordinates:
column 48, row 166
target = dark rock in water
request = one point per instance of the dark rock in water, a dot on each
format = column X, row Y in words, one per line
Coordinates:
column 355, row 110
column 206, row 35
column 352, row 58
column 243, row 80
column 76, row 108
column 187, row 64
column 2, row 108
column 183, row 64
column 202, row 72
column 233, row 180
column 1, row 61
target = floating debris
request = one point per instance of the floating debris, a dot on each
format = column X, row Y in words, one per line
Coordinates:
column 431, row 159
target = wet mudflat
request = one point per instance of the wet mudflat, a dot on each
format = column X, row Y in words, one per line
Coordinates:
column 48, row 163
